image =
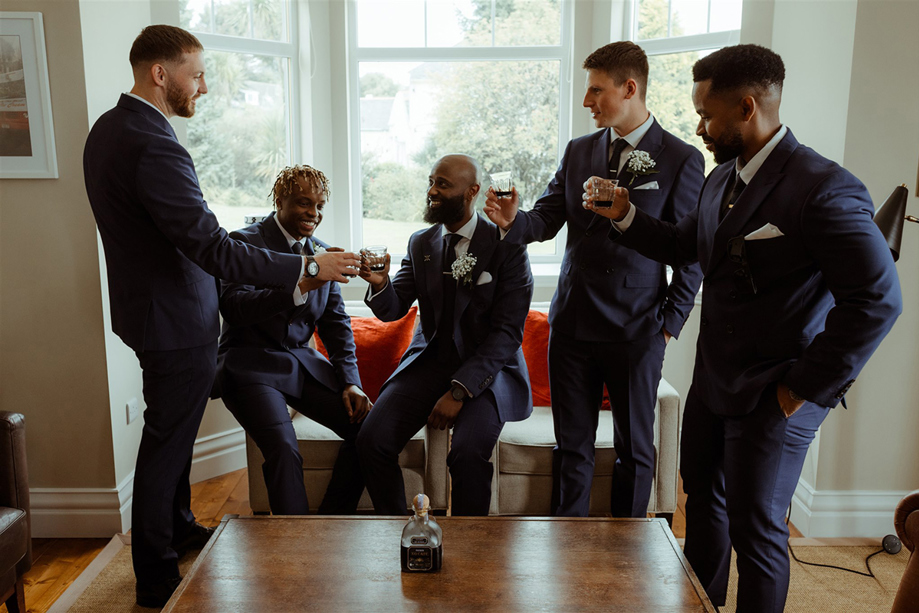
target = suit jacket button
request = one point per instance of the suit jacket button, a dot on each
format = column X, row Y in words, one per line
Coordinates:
column 588, row 233
column 581, row 267
column 704, row 322
column 733, row 294
column 730, row 329
column 609, row 271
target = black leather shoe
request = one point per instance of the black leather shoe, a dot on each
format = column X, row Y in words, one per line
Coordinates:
column 156, row 594
column 196, row 538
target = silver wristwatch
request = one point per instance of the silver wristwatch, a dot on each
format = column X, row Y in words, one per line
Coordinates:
column 312, row 266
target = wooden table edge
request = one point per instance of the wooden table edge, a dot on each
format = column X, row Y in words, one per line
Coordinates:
column 696, row 584
column 170, row 605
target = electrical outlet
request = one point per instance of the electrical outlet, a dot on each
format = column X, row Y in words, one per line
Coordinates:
column 133, row 409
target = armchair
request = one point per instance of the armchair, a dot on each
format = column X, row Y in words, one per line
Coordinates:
column 15, row 532
column 906, row 520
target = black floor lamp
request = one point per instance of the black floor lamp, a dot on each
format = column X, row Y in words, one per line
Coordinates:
column 890, row 218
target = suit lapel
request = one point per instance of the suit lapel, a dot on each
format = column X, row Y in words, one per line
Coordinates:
column 652, row 144
column 432, row 262
column 481, row 246
column 599, row 164
column 766, row 178
column 708, row 213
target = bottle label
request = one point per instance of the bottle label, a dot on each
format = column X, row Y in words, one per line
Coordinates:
column 419, row 540
column 420, row 558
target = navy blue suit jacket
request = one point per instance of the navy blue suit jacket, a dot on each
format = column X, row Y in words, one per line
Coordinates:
column 265, row 337
column 488, row 316
column 607, row 292
column 826, row 291
column 163, row 246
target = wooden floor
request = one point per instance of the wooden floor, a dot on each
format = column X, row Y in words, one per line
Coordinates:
column 57, row 562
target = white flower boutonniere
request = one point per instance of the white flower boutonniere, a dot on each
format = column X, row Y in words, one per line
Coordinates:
column 640, row 164
column 317, row 248
column 462, row 268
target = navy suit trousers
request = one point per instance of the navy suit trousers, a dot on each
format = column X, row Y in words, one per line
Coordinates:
column 401, row 410
column 739, row 474
column 176, row 388
column 262, row 412
column 631, row 371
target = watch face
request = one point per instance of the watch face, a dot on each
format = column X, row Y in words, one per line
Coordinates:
column 458, row 394
column 312, row 269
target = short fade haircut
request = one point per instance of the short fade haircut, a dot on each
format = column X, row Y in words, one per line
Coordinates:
column 162, row 43
column 621, row 60
column 740, row 66
column 287, row 180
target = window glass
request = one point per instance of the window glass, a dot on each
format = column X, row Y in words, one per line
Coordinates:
column 503, row 113
column 458, row 23
column 672, row 18
column 239, row 136
column 670, row 97
column 259, row 19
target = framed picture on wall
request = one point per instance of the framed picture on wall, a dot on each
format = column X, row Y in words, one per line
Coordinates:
column 26, row 128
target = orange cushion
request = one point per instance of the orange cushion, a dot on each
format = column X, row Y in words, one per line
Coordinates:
column 380, row 345
column 536, row 354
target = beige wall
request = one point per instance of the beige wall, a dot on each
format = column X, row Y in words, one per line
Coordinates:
column 52, row 349
column 873, row 445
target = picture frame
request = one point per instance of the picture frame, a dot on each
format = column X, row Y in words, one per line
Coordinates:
column 26, row 126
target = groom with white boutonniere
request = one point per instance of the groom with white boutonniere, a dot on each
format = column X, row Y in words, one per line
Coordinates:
column 614, row 310
column 464, row 368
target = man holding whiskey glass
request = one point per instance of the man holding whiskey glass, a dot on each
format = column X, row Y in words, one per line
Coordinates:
column 613, row 311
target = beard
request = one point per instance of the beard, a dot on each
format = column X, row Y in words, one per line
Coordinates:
column 450, row 211
column 728, row 147
column 181, row 104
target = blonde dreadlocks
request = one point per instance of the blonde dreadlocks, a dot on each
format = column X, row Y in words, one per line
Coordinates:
column 287, row 179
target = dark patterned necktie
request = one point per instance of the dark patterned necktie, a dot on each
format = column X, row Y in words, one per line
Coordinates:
column 618, row 147
column 446, row 345
column 731, row 197
column 297, row 248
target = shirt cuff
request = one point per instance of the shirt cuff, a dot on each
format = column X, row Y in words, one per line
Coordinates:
column 298, row 297
column 626, row 221
column 370, row 289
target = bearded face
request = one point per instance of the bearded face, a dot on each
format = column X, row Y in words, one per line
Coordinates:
column 444, row 210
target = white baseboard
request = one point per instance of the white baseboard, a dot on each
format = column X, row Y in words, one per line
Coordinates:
column 843, row 513
column 218, row 454
column 104, row 512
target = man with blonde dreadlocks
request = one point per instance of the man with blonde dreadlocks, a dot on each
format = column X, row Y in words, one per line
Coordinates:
column 265, row 363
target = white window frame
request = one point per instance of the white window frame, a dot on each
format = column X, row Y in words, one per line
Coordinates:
column 674, row 44
column 287, row 50
column 355, row 54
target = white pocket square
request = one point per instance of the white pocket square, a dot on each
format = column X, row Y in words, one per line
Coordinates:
column 767, row 231
column 484, row 278
column 651, row 185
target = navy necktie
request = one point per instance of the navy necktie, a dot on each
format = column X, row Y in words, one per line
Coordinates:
column 618, row 147
column 297, row 248
column 446, row 346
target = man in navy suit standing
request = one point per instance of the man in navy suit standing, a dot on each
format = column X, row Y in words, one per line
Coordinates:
column 613, row 312
column 799, row 290
column 163, row 248
column 464, row 368
column 265, row 362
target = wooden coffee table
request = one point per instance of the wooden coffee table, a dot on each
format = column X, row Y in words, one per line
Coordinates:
column 502, row 564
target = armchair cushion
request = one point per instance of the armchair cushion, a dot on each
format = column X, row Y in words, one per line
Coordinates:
column 380, row 345
column 14, row 538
